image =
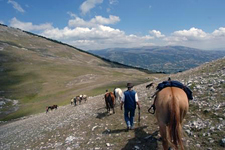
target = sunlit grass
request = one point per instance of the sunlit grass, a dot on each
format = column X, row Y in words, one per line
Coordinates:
column 38, row 72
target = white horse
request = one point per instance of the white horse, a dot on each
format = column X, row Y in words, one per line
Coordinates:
column 118, row 94
column 71, row 102
column 83, row 97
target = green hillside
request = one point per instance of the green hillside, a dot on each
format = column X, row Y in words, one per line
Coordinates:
column 36, row 72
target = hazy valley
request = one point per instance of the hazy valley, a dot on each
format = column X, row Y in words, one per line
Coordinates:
column 167, row 59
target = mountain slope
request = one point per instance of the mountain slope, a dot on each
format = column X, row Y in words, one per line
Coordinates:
column 168, row 59
column 36, row 72
column 89, row 126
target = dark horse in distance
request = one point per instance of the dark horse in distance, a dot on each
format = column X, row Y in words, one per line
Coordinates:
column 110, row 101
column 51, row 107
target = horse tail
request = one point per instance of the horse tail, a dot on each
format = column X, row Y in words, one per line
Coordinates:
column 110, row 100
column 114, row 92
column 113, row 99
column 175, row 129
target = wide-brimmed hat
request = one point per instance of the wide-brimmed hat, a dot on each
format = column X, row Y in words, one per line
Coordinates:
column 129, row 85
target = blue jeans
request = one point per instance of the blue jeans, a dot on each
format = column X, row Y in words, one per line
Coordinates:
column 129, row 117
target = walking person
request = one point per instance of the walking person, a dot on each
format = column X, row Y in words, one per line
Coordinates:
column 75, row 101
column 129, row 100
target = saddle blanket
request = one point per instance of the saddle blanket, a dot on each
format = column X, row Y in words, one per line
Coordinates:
column 165, row 84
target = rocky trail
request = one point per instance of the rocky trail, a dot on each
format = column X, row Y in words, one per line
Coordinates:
column 89, row 127
column 86, row 126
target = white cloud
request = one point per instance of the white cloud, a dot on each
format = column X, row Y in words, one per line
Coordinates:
column 83, row 33
column 16, row 6
column 96, row 34
column 97, row 37
column 28, row 26
column 79, row 22
column 2, row 22
column 198, row 38
column 193, row 33
column 98, row 20
column 105, row 21
column 113, row 2
column 220, row 33
column 72, row 14
column 157, row 34
column 88, row 5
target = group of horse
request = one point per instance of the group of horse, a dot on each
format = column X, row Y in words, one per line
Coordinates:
column 111, row 98
column 73, row 101
column 170, row 106
column 78, row 99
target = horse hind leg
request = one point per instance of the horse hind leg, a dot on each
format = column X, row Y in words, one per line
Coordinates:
column 113, row 110
column 112, row 106
column 108, row 107
column 163, row 133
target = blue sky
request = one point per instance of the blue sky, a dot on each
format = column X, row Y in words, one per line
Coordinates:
column 100, row 24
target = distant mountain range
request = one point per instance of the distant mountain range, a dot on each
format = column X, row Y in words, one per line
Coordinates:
column 167, row 59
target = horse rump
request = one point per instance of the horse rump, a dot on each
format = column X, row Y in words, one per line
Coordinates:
column 118, row 94
column 173, row 104
column 55, row 106
column 110, row 101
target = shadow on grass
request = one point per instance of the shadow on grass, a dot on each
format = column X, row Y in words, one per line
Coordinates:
column 142, row 140
column 102, row 115
column 101, row 108
column 116, row 131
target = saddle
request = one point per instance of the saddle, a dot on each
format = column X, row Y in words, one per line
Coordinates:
column 165, row 84
column 170, row 83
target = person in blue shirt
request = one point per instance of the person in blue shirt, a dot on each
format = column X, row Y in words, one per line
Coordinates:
column 129, row 100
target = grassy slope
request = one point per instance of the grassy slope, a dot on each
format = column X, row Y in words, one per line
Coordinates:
column 110, row 129
column 39, row 72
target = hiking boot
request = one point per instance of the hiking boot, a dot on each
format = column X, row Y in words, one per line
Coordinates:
column 128, row 128
column 132, row 128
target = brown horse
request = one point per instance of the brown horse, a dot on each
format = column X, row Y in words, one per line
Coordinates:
column 152, row 84
column 171, row 105
column 51, row 107
column 110, row 101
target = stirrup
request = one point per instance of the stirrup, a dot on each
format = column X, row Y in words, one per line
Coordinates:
column 149, row 110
